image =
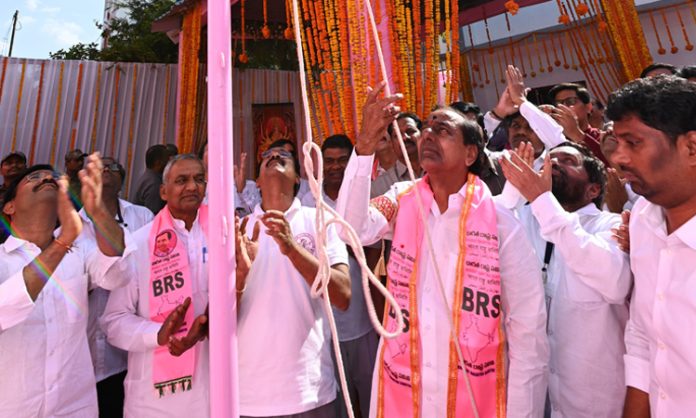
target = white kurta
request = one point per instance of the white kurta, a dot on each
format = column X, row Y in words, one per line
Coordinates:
column 285, row 364
column 661, row 331
column 107, row 359
column 127, row 324
column 44, row 355
column 589, row 279
column 524, row 315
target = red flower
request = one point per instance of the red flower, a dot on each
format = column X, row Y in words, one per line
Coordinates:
column 564, row 19
column 265, row 32
column 581, row 9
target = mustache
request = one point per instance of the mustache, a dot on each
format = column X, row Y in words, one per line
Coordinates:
column 46, row 181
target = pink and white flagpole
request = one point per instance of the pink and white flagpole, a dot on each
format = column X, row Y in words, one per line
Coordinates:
column 224, row 399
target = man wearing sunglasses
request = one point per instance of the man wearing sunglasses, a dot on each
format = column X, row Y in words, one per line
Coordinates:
column 572, row 107
column 109, row 362
column 285, row 356
column 45, row 277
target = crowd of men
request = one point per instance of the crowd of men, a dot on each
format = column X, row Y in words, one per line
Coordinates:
column 548, row 273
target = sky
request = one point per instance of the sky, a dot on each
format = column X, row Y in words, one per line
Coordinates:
column 48, row 25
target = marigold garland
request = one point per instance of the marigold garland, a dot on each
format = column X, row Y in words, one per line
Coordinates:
column 19, row 104
column 76, row 105
column 97, row 96
column 59, row 101
column 661, row 49
column 37, row 113
column 512, row 7
column 131, row 123
column 689, row 46
column 529, row 58
column 4, row 73
column 243, row 58
column 265, row 31
column 673, row 48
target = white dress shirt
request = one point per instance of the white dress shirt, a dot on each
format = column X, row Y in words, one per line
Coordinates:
column 548, row 131
column 44, row 355
column 589, row 279
column 107, row 359
column 127, row 324
column 285, row 364
column 661, row 331
column 524, row 315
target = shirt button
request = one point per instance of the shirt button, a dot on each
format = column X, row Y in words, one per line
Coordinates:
column 663, row 395
column 552, row 370
column 428, row 364
column 660, row 296
column 550, row 332
column 427, row 289
column 661, row 345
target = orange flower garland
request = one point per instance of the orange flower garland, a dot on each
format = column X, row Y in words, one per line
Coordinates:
column 97, row 95
column 673, row 48
column 661, row 49
column 37, row 113
column 265, row 31
column 56, row 121
column 689, row 46
column 243, row 58
column 19, row 104
column 76, row 105
column 512, row 7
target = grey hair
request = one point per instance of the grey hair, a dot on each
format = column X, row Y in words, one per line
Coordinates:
column 174, row 160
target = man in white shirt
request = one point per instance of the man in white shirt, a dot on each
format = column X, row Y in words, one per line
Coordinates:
column 44, row 280
column 451, row 146
column 586, row 275
column 655, row 124
column 358, row 340
column 110, row 362
column 127, row 318
column 285, row 366
column 523, row 121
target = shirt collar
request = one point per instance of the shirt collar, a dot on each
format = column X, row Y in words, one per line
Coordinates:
column 295, row 206
column 12, row 243
column 654, row 216
column 589, row 209
column 181, row 225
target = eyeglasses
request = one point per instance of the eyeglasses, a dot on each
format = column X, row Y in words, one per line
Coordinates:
column 568, row 101
column 38, row 175
column 282, row 153
column 113, row 167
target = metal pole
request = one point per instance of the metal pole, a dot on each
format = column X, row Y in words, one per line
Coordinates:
column 221, row 240
column 14, row 29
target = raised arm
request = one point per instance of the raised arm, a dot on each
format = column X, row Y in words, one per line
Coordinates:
column 353, row 202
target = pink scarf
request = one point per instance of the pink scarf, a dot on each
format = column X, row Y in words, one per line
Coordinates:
column 170, row 285
column 476, row 318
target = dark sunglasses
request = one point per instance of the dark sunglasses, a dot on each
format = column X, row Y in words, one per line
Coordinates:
column 113, row 167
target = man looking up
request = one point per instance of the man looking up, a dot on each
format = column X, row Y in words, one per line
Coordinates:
column 74, row 161
column 490, row 279
column 655, row 125
column 11, row 167
column 285, row 357
column 153, row 317
column 572, row 107
column 586, row 277
column 357, row 338
column 409, row 127
column 148, row 191
column 45, row 277
column 110, row 362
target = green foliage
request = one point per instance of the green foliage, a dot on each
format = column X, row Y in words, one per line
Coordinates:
column 77, row 52
column 130, row 38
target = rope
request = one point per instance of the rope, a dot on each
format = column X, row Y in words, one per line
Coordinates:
column 320, row 285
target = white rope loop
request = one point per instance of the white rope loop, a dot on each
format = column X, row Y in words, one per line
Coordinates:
column 320, row 285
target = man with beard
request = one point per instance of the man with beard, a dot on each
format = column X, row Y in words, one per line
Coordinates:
column 586, row 278
column 409, row 126
column 109, row 362
column 285, row 366
column 358, row 340
column 491, row 298
column 45, row 277
column 655, row 124
column 160, row 317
